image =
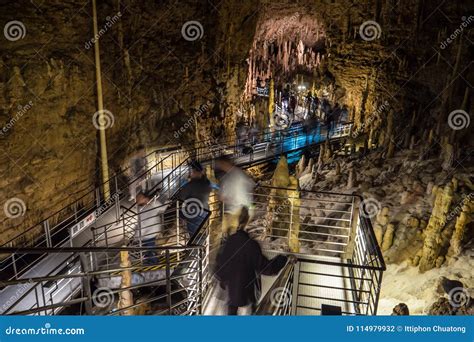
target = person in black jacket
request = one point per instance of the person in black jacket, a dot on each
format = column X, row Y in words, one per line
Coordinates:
column 195, row 197
column 240, row 263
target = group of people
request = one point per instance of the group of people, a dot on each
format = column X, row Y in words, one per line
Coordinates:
column 324, row 111
column 239, row 261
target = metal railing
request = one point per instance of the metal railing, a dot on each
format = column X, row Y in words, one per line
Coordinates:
column 275, row 143
column 166, row 173
column 278, row 300
column 182, row 267
column 165, row 292
column 339, row 263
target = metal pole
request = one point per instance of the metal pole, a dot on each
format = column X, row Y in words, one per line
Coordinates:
column 100, row 107
column 86, row 282
column 200, row 282
column 168, row 281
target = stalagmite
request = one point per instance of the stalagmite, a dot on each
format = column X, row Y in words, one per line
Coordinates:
column 461, row 227
column 126, row 296
column 338, row 168
column 448, row 155
column 388, row 237
column 295, row 204
column 351, row 180
column 283, row 208
column 271, row 103
column 391, row 147
column 431, row 245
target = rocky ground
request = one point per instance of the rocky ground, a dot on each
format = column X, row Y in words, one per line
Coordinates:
column 422, row 217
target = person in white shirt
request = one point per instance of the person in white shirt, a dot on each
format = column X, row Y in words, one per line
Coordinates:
column 149, row 224
column 235, row 192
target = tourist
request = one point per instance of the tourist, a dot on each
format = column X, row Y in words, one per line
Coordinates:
column 235, row 192
column 195, row 197
column 149, row 224
column 336, row 115
column 138, row 170
column 240, row 263
column 344, row 114
column 309, row 102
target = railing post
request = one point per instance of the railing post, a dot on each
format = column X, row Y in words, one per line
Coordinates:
column 291, row 222
column 116, row 184
column 14, row 265
column 86, row 282
column 168, row 280
column 117, row 206
column 200, row 281
column 47, row 234
column 294, row 295
column 177, row 226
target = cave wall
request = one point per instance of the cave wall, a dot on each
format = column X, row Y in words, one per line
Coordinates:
column 154, row 79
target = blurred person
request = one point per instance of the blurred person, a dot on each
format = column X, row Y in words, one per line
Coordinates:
column 235, row 192
column 344, row 114
column 336, row 114
column 308, row 103
column 292, row 105
column 240, row 263
column 195, row 193
column 138, row 165
column 150, row 223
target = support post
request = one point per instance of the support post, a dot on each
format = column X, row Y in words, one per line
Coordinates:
column 100, row 106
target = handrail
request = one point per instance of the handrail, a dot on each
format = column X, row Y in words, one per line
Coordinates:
column 265, row 133
column 42, row 250
column 268, row 306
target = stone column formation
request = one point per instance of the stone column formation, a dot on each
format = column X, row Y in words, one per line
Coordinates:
column 283, row 213
column 432, row 244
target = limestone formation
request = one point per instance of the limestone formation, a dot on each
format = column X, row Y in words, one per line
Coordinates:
column 461, row 226
column 432, row 243
column 351, row 180
column 126, row 296
column 283, row 208
column 388, row 237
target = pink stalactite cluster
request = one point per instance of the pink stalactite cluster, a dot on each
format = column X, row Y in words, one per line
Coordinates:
column 283, row 45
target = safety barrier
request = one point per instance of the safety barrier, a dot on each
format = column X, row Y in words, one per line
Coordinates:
column 185, row 266
column 339, row 265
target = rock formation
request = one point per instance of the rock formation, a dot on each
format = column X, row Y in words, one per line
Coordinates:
column 436, row 224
